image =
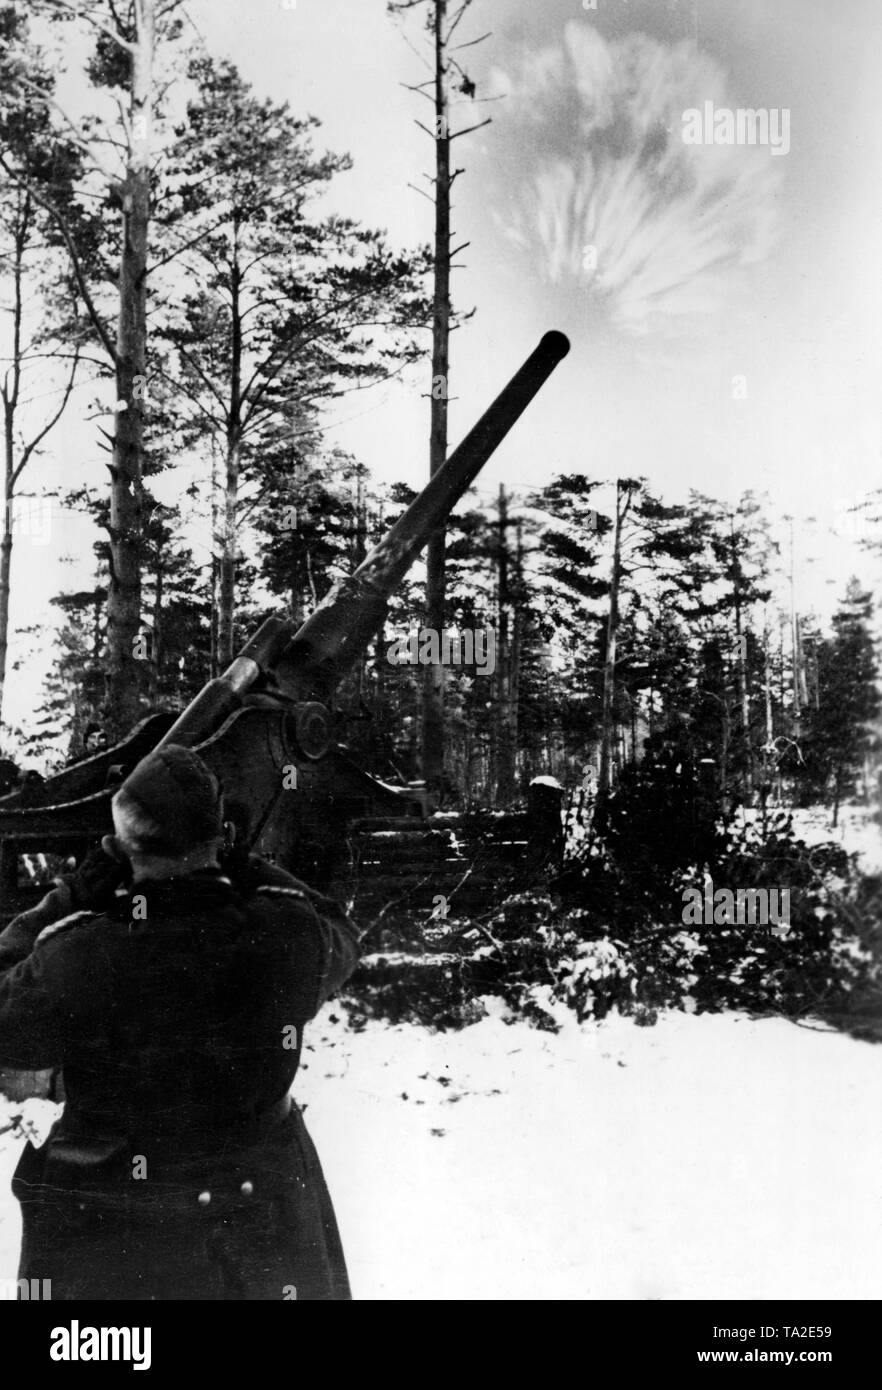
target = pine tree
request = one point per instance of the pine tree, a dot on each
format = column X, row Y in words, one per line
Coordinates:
column 129, row 40
column 292, row 308
column 442, row 21
column 842, row 732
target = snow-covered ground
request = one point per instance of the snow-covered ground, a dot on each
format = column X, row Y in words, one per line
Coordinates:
column 858, row 830
column 707, row 1157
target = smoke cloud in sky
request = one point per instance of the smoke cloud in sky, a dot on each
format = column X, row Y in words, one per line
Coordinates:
column 610, row 201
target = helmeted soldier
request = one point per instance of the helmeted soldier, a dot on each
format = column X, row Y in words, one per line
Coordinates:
column 180, row 1169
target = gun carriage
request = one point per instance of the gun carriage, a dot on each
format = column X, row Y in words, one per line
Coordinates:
column 268, row 712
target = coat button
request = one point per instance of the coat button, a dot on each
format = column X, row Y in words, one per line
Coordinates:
column 248, row 1188
column 204, row 1198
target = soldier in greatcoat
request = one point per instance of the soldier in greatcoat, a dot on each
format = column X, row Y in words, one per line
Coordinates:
column 180, row 1168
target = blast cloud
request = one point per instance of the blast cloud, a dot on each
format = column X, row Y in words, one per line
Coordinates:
column 610, row 199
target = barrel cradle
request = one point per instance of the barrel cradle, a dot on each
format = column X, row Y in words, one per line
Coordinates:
column 263, row 726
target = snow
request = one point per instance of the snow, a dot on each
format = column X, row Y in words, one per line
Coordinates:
column 711, row 1156
column 708, row 1157
column 858, row 830
column 410, row 959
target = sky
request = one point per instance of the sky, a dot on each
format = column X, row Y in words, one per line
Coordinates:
column 723, row 302
column 800, row 322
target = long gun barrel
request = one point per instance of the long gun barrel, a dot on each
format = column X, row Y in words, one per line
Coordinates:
column 266, row 716
column 308, row 662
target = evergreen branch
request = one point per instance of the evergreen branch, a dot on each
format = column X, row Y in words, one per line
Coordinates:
column 76, row 266
column 78, row 138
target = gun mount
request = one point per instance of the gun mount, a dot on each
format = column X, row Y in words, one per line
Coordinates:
column 267, row 713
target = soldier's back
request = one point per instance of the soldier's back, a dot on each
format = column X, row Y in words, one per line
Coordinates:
column 180, row 1165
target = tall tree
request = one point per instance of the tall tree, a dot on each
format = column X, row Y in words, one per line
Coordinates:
column 21, row 443
column 625, row 489
column 73, row 693
column 739, row 548
column 292, row 308
column 40, row 323
column 843, row 730
column 127, row 39
column 442, row 22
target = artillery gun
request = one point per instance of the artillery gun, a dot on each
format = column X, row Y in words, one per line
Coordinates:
column 263, row 726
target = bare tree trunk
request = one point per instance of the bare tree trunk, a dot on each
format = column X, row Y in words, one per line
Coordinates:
column 443, row 137
column 10, row 394
column 96, row 628
column 6, row 557
column 795, row 645
column 359, row 552
column 226, row 595
column 230, row 542
column 124, row 594
column 433, row 684
column 767, row 669
column 801, row 665
column 156, row 645
column 768, row 744
column 743, row 702
column 741, row 667
column 607, row 731
column 213, row 662
column 724, row 751
column 515, row 657
column 797, row 678
column 506, row 744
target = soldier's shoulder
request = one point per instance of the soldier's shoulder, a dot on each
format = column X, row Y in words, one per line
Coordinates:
column 282, row 904
column 281, row 892
column 83, row 918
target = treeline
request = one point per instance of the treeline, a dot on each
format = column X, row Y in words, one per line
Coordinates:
column 164, row 256
column 686, row 657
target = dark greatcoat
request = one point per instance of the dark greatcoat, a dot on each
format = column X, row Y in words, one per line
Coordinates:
column 175, row 1171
